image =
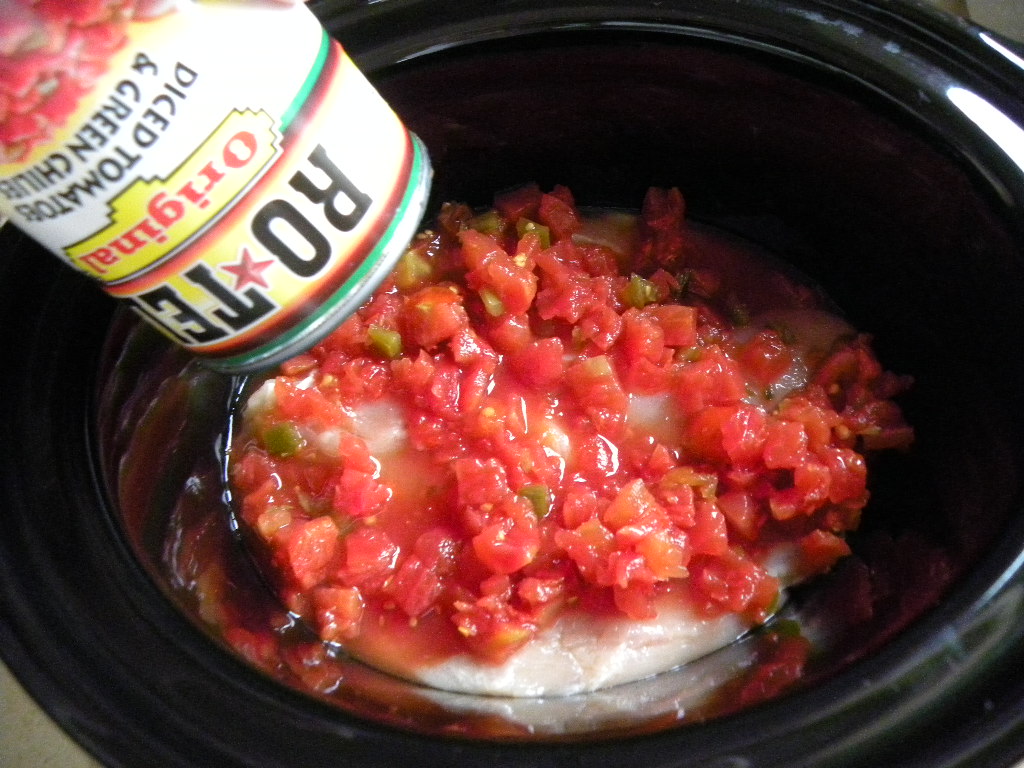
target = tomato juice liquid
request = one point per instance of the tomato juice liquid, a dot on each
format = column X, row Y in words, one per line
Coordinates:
column 222, row 168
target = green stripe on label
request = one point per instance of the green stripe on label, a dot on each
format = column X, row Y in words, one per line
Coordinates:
column 309, row 83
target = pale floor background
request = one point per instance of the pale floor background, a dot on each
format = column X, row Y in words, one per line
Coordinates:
column 29, row 739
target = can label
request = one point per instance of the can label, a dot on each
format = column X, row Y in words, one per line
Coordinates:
column 231, row 175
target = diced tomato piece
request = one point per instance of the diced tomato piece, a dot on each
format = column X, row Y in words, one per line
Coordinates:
column 475, row 383
column 785, row 445
column 743, row 434
column 813, row 480
column 678, row 324
column 708, row 535
column 370, row 557
column 625, row 568
column 509, row 333
column 564, row 194
column 468, row 348
column 308, row 406
column 415, row 586
column 251, row 470
column 540, row 363
column 666, row 553
column 601, row 326
column 443, row 391
column 848, row 476
column 515, row 287
column 339, row 611
column 580, row 506
column 478, row 249
column 596, row 459
column 508, row 545
column 662, row 228
column 492, row 628
column 703, row 434
column 642, row 337
column 734, row 583
column 743, row 514
column 566, row 292
column 359, row 493
column 512, row 286
column 520, row 203
column 635, row 600
column 766, row 357
column 726, row 433
column 589, row 546
column 680, row 504
column 820, row 550
column 853, row 363
column 432, row 315
column 714, row 379
column 786, row 503
column 598, row 260
column 481, row 481
column 660, row 461
column 559, row 215
column 438, row 547
column 540, row 591
column 597, row 389
column 310, row 550
column 632, row 505
column 818, row 421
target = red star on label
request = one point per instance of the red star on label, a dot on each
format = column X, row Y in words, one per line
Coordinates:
column 248, row 270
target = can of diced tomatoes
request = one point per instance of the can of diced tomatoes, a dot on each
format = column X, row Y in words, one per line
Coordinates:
column 222, row 167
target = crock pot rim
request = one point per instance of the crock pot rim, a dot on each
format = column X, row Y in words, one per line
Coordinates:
column 210, row 654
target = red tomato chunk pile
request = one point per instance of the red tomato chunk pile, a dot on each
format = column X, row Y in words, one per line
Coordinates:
column 564, row 426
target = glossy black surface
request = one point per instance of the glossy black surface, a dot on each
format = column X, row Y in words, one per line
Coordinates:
column 835, row 133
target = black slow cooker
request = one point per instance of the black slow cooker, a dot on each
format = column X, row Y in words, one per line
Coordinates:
column 877, row 146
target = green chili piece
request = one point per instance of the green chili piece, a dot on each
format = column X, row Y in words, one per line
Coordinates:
column 597, row 367
column 283, row 439
column 385, row 341
column 537, row 494
column 525, row 225
column 639, row 292
column 489, row 222
column 492, row 302
column 413, row 270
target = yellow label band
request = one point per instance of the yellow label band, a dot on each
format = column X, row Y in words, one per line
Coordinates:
column 153, row 218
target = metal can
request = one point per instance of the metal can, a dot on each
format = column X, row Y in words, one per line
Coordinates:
column 222, row 167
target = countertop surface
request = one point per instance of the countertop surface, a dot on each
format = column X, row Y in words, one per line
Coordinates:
column 30, row 739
